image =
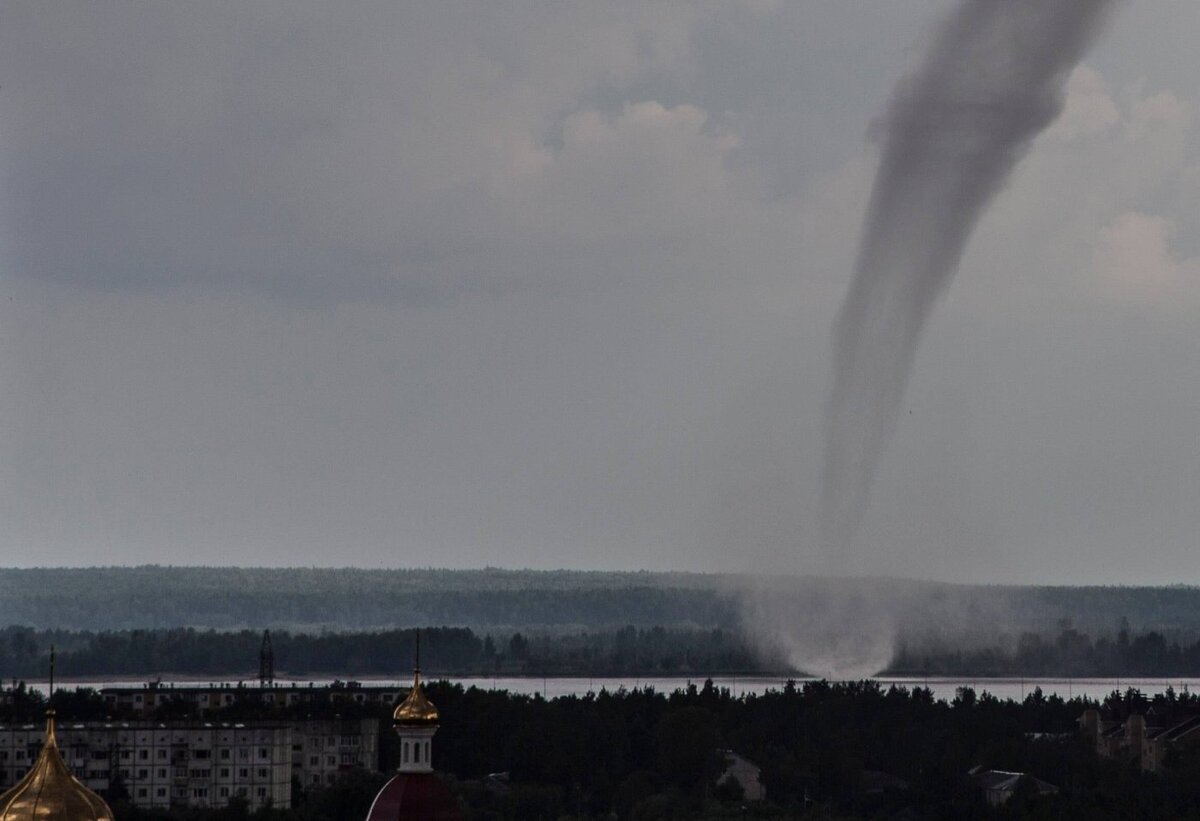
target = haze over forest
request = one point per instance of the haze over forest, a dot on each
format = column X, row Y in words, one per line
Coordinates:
column 117, row 598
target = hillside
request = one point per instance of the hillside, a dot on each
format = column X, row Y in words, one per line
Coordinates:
column 223, row 598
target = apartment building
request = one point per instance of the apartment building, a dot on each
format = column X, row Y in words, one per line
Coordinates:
column 173, row 764
column 143, row 700
column 165, row 765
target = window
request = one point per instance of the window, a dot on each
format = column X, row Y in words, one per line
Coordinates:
column 224, row 753
column 142, row 792
column 262, row 792
column 143, row 755
column 263, row 752
column 224, row 772
column 161, row 792
column 263, row 772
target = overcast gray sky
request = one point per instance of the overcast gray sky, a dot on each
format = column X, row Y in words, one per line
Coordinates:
column 552, row 285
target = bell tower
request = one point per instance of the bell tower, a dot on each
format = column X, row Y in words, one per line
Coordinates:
column 416, row 721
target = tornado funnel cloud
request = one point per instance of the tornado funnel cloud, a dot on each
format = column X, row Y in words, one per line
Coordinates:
column 993, row 78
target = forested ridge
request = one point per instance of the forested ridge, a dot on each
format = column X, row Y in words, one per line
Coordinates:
column 627, row 651
column 346, row 599
column 226, row 598
column 24, row 653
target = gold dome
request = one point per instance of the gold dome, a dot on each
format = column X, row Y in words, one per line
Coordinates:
column 49, row 792
column 416, row 709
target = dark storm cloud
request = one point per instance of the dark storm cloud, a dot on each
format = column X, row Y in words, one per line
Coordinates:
column 372, row 151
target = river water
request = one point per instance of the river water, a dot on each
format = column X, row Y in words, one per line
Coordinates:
column 552, row 687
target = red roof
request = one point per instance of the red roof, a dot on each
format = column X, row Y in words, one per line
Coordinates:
column 415, row 796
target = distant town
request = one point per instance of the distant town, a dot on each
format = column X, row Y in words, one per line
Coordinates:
column 267, row 749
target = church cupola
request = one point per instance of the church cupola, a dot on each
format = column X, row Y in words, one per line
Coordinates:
column 416, row 721
column 49, row 791
column 415, row 793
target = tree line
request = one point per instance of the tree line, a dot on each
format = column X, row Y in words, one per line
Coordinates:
column 24, row 653
column 1070, row 652
column 227, row 598
column 627, row 651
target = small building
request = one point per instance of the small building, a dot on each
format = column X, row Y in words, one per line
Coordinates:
column 1144, row 738
column 745, row 773
column 999, row 786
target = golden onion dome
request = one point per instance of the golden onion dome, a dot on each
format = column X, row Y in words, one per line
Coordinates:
column 415, row 710
column 49, row 792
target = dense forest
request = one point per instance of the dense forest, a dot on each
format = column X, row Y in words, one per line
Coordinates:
column 628, row 651
column 24, row 653
column 830, row 751
column 314, row 599
column 119, row 598
column 1071, row 652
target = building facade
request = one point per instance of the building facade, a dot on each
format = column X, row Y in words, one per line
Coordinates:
column 172, row 764
column 49, row 790
column 144, row 700
column 1146, row 739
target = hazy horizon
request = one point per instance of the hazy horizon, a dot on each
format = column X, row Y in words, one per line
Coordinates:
column 617, row 571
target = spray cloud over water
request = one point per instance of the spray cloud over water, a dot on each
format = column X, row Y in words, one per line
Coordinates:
column 992, row 79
